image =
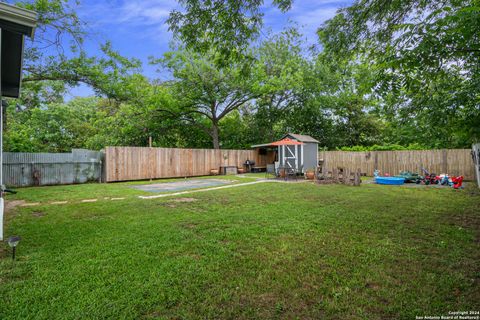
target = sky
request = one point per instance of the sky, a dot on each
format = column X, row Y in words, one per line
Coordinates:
column 136, row 28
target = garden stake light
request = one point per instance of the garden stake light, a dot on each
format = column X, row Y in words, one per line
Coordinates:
column 13, row 242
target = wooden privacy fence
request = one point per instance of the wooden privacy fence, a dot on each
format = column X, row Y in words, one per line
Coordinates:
column 451, row 161
column 137, row 163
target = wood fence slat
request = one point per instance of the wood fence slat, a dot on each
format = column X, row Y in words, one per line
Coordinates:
column 451, row 161
column 138, row 163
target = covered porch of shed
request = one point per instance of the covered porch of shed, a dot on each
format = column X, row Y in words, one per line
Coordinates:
column 265, row 157
column 286, row 153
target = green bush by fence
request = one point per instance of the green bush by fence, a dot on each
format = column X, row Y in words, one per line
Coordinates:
column 387, row 147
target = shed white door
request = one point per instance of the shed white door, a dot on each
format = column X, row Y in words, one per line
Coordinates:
column 290, row 158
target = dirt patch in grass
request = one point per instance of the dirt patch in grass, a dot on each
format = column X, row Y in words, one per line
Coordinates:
column 175, row 202
column 152, row 315
column 373, row 286
column 12, row 204
column 194, row 256
column 196, row 210
column 190, row 225
column 467, row 219
column 185, row 200
column 10, row 211
column 38, row 214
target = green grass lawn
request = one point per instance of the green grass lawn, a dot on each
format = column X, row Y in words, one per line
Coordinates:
column 270, row 250
column 104, row 190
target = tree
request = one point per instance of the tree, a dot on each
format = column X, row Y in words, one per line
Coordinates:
column 307, row 92
column 282, row 69
column 205, row 92
column 227, row 26
column 350, row 98
column 53, row 128
column 56, row 59
column 427, row 58
column 132, row 123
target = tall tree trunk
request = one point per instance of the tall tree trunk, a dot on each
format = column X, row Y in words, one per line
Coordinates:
column 214, row 134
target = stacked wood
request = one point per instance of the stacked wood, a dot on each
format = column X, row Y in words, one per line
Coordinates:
column 338, row 175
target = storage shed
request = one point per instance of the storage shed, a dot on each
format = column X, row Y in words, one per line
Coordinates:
column 293, row 150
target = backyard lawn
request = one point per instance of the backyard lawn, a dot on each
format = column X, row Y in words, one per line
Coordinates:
column 268, row 250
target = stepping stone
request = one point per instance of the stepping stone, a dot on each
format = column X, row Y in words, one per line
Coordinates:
column 117, row 199
column 31, row 204
column 89, row 200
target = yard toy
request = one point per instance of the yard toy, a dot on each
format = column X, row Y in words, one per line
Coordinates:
column 444, row 180
column 390, row 180
column 408, row 176
column 387, row 179
column 429, row 178
column 457, row 182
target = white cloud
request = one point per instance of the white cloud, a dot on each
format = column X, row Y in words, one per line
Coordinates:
column 314, row 18
column 132, row 13
column 145, row 18
column 145, row 12
column 309, row 14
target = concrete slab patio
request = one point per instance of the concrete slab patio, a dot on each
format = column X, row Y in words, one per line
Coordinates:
column 186, row 184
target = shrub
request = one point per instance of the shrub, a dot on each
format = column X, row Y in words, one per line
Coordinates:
column 387, row 147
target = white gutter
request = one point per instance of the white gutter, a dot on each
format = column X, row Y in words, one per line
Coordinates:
column 18, row 16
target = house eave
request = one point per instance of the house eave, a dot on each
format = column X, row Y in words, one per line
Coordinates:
column 18, row 19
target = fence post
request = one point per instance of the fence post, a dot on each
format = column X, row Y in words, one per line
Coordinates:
column 444, row 161
column 476, row 161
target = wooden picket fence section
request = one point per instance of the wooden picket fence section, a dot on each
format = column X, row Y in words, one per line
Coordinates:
column 138, row 163
column 451, row 161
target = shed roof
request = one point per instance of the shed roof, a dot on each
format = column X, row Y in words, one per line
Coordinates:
column 286, row 142
column 298, row 137
column 301, row 137
column 263, row 145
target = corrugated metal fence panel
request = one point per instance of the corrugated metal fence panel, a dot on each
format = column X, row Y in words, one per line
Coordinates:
column 451, row 161
column 32, row 169
column 22, row 157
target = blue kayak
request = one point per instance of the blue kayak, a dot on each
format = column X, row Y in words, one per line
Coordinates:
column 390, row 180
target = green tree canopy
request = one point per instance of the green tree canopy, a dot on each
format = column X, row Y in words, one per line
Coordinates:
column 227, row 26
column 206, row 92
column 427, row 57
column 56, row 58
